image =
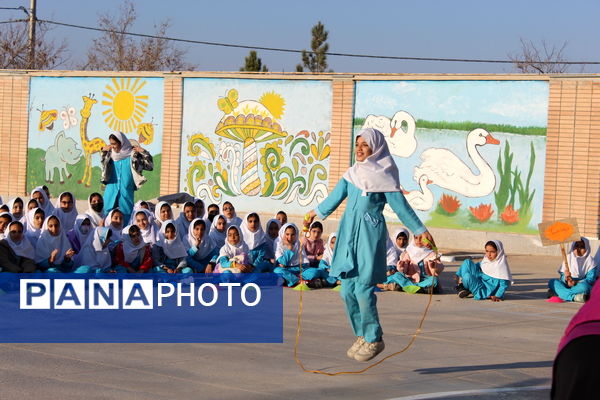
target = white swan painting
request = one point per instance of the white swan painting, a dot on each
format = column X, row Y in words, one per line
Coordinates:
column 448, row 171
column 402, row 143
column 421, row 200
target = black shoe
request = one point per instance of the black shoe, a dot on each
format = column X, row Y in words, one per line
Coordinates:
column 459, row 287
column 550, row 293
column 463, row 293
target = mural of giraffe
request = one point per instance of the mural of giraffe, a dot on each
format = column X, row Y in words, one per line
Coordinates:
column 89, row 146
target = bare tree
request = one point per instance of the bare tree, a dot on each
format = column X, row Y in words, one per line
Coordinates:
column 117, row 51
column 14, row 47
column 542, row 58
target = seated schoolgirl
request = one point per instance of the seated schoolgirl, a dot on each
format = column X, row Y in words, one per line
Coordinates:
column 233, row 256
column 259, row 251
column 95, row 209
column 94, row 254
column 53, row 252
column 114, row 220
column 202, row 252
column 16, row 252
column 212, row 211
column 488, row 279
column 5, row 219
column 33, row 227
column 162, row 212
column 144, row 220
column 272, row 229
column 200, row 208
column 66, row 210
column 16, row 208
column 43, row 199
column 169, row 253
column 218, row 230
column 132, row 254
column 5, row 209
column 186, row 216
column 313, row 244
column 31, row 204
column 281, row 216
column 289, row 255
column 575, row 283
column 230, row 215
column 80, row 232
column 325, row 263
column 396, row 246
column 417, row 267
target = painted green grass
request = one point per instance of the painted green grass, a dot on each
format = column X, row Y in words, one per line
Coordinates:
column 462, row 220
column 36, row 177
column 470, row 125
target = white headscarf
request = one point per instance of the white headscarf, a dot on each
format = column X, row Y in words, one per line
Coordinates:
column 149, row 234
column 268, row 238
column 137, row 207
column 416, row 253
column 182, row 223
column 95, row 217
column 77, row 228
column 157, row 211
column 579, row 266
column 126, row 148
column 130, row 250
column 22, row 248
column 173, row 248
column 218, row 237
column 116, row 231
column 378, row 172
column 93, row 253
column 498, row 268
column 23, row 217
column 231, row 250
column 47, row 207
column 328, row 254
column 32, row 232
column 206, row 246
column 296, row 248
column 203, row 216
column 47, row 243
column 252, row 239
column 67, row 219
column 9, row 215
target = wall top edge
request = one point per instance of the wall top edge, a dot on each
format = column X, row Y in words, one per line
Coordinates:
column 301, row 76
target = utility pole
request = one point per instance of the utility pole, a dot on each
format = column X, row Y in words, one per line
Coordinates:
column 32, row 21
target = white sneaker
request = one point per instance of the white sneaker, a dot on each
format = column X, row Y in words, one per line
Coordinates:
column 579, row 298
column 355, row 347
column 369, row 351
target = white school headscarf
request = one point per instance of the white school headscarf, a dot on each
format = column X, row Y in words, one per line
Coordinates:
column 579, row 266
column 173, row 248
column 93, row 253
column 498, row 268
column 218, row 237
column 149, row 235
column 416, row 253
column 33, row 233
column 47, row 207
column 396, row 233
column 67, row 219
column 328, row 254
column 182, row 223
column 137, row 207
column 126, row 148
column 130, row 250
column 23, row 217
column 253, row 239
column 157, row 211
column 231, row 250
column 116, row 230
column 377, row 173
column 203, row 216
column 206, row 246
column 95, row 217
column 47, row 243
column 82, row 237
column 22, row 248
column 268, row 238
column 296, row 248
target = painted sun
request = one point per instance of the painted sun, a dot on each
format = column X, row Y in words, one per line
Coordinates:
column 125, row 108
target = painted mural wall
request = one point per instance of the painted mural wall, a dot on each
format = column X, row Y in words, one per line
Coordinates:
column 70, row 119
column 261, row 144
column 471, row 154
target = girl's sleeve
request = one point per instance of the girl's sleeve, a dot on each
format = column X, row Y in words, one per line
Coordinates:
column 323, row 264
column 286, row 258
column 335, row 198
column 192, row 251
column 405, row 213
column 502, row 288
column 590, row 277
column 147, row 161
column 224, row 261
column 157, row 255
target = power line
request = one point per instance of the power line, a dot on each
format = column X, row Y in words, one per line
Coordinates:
column 384, row 57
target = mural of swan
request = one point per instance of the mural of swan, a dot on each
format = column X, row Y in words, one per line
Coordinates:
column 450, row 172
column 402, row 143
column 421, row 200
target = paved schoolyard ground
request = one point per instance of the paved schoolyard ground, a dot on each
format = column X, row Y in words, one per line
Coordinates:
column 468, row 349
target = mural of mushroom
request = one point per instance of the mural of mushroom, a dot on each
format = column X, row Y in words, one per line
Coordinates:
column 250, row 122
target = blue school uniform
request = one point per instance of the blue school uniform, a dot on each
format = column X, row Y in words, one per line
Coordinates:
column 259, row 257
column 325, row 267
column 425, row 282
column 160, row 259
column 584, row 285
column 197, row 263
column 481, row 285
column 120, row 188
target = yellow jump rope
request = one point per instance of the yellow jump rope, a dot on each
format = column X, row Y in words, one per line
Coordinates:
column 299, row 325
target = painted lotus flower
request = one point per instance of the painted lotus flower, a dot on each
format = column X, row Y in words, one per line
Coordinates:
column 510, row 216
column 449, row 204
column 482, row 212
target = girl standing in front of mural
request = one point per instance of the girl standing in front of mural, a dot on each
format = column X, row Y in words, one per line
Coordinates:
column 360, row 252
column 122, row 166
column 488, row 279
column 575, row 283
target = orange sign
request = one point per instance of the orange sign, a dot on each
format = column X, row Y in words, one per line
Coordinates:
column 559, row 231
